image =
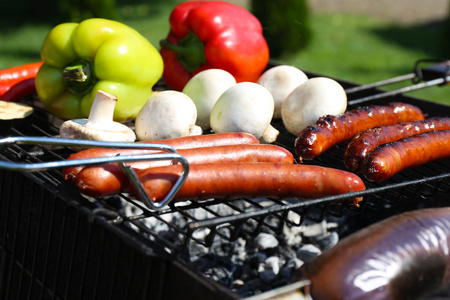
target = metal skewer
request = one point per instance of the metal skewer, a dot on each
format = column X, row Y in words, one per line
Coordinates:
column 438, row 74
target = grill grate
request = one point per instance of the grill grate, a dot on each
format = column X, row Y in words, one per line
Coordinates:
column 76, row 243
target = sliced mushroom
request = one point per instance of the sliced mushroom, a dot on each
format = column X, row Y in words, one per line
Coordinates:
column 99, row 126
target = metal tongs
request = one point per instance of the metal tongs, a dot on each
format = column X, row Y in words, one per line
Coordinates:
column 436, row 74
column 167, row 153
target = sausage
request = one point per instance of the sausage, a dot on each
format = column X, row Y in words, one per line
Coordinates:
column 331, row 130
column 391, row 158
column 368, row 140
column 207, row 140
column 249, row 179
column 105, row 180
column 403, row 257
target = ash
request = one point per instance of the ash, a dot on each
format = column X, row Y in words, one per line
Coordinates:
column 250, row 257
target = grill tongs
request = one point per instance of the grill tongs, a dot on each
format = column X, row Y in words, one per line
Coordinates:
column 433, row 75
column 164, row 152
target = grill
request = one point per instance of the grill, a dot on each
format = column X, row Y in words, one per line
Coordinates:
column 57, row 244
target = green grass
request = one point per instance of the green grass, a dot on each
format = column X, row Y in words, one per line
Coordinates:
column 355, row 48
column 20, row 41
column 364, row 50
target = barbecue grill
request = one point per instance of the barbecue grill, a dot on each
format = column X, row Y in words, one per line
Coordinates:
column 57, row 244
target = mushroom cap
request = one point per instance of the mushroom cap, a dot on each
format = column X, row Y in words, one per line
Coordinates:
column 281, row 81
column 204, row 89
column 244, row 107
column 84, row 129
column 165, row 115
column 311, row 100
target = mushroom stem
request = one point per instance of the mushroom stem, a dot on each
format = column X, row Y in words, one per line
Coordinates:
column 196, row 130
column 102, row 109
column 270, row 135
column 100, row 125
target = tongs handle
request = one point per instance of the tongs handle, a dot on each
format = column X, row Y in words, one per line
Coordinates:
column 168, row 153
column 440, row 70
column 437, row 74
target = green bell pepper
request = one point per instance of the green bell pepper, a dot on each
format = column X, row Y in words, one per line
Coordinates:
column 96, row 54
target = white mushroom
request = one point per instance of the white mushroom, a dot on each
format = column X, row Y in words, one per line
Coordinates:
column 311, row 100
column 204, row 89
column 165, row 115
column 245, row 107
column 281, row 81
column 99, row 126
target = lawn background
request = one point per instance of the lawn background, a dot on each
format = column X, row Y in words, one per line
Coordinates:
column 350, row 47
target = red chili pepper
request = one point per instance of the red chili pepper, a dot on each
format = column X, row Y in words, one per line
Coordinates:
column 11, row 76
column 19, row 90
column 213, row 34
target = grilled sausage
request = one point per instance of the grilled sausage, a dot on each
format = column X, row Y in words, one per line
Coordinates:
column 247, row 179
column 391, row 158
column 366, row 141
column 331, row 130
column 105, row 180
column 403, row 257
column 207, row 140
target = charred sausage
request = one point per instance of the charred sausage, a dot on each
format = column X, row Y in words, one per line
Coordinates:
column 207, row 140
column 331, row 130
column 105, row 180
column 403, row 257
column 249, row 179
column 366, row 141
column 391, row 158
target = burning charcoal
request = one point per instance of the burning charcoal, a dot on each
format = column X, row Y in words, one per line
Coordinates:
column 249, row 271
column 196, row 250
column 269, row 269
column 240, row 252
column 247, row 264
column 326, row 241
column 266, row 241
column 317, row 229
column 251, row 287
column 237, row 284
column 267, row 275
column 290, row 268
column 293, row 235
column 307, row 252
column 219, row 268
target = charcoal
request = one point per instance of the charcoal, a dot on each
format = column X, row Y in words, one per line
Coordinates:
column 265, row 241
column 270, row 268
column 250, row 257
column 326, row 241
column 308, row 252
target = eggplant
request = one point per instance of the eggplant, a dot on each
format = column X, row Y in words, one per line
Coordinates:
column 406, row 256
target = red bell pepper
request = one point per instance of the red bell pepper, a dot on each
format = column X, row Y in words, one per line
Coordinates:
column 213, row 34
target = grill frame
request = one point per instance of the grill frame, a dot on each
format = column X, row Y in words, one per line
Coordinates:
column 37, row 224
column 55, row 247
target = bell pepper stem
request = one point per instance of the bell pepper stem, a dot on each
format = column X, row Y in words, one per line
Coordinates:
column 79, row 76
column 74, row 73
column 190, row 51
